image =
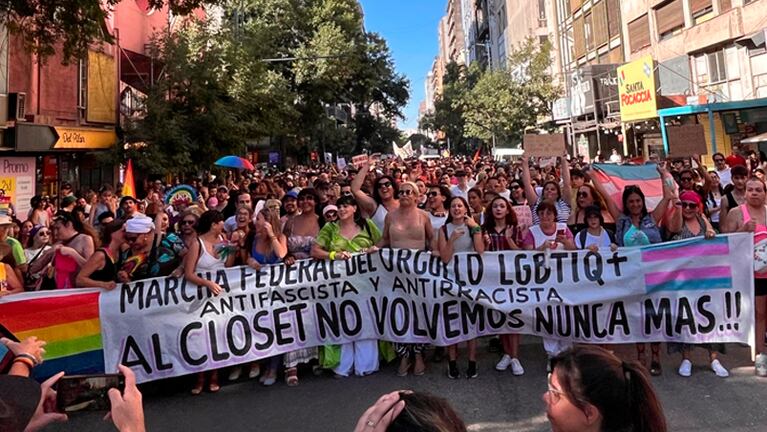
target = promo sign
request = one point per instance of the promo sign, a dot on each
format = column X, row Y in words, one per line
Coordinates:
column 637, row 90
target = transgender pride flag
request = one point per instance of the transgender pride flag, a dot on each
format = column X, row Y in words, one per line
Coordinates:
column 616, row 177
column 694, row 264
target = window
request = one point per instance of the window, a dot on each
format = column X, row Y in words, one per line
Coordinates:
column 588, row 32
column 613, row 18
column 717, row 68
column 701, row 10
column 725, row 5
column 541, row 13
column 639, row 33
column 579, row 45
column 600, row 24
column 82, row 93
column 542, row 40
column 669, row 18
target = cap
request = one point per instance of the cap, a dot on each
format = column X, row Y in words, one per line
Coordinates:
column 139, row 225
column 290, row 194
column 126, row 198
column 329, row 208
column 68, row 200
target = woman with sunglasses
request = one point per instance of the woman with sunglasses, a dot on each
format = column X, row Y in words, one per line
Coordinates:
column 688, row 221
column 72, row 249
column 205, row 257
column 38, row 242
column 587, row 196
column 714, row 199
column 330, row 214
column 636, row 226
column 561, row 197
column 501, row 233
column 301, row 232
column 384, row 197
column 338, row 241
column 592, row 390
column 460, row 233
column 437, row 200
column 100, row 271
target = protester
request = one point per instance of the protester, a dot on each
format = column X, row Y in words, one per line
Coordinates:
column 408, row 227
column 71, row 250
column 476, row 205
column 15, row 247
column 407, row 411
column 591, row 389
column 460, row 233
column 38, row 243
column 735, row 197
column 384, row 197
column 100, row 271
column 38, row 215
column 560, row 196
column 330, row 213
column 586, row 196
column 338, row 241
column 752, row 217
column 500, row 233
column 594, row 235
column 713, row 200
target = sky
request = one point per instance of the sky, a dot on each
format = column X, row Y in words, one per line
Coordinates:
column 410, row 29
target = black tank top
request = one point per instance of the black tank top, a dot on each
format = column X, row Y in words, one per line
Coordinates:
column 109, row 272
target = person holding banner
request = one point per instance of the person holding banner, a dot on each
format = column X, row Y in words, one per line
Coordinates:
column 548, row 235
column 687, row 221
column 752, row 217
column 101, row 269
column 204, row 257
column 636, row 226
column 587, row 196
column 560, row 196
column 408, row 227
column 460, row 233
column 594, row 235
column 384, row 197
column 338, row 241
column 501, row 232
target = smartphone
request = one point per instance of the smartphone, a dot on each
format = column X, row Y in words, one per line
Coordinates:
column 76, row 393
column 561, row 232
column 6, row 356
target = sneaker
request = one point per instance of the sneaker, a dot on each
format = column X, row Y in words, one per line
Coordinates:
column 685, row 369
column 471, row 371
column 452, row 370
column 234, row 375
column 718, row 369
column 516, row 367
column 504, row 363
column 761, row 365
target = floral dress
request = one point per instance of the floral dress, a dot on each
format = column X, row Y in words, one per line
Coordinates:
column 300, row 247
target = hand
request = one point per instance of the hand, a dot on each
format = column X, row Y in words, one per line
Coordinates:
column 122, row 276
column 343, row 255
column 178, row 272
column 593, row 248
column 269, row 229
column 31, row 345
column 470, row 222
column 457, row 233
column 214, row 287
column 289, row 260
column 710, row 234
column 749, row 226
column 613, row 247
column 45, row 413
column 108, row 285
column 525, row 160
column 372, row 249
column 255, row 265
column 127, row 412
column 379, row 416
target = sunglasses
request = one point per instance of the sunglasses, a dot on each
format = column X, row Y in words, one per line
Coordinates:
column 384, row 185
column 43, row 233
column 688, row 205
column 686, row 179
column 331, row 214
column 187, row 222
column 432, row 194
column 306, row 198
column 583, row 194
column 515, row 187
column 346, row 193
column 131, row 239
column 718, row 160
column 405, row 192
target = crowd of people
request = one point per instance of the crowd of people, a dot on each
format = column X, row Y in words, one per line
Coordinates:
column 444, row 206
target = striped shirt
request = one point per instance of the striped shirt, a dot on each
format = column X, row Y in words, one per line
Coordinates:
column 563, row 211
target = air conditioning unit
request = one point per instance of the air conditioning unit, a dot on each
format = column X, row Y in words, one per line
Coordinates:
column 17, row 105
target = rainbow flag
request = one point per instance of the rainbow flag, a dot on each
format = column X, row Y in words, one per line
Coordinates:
column 689, row 265
column 616, row 177
column 69, row 323
column 129, row 185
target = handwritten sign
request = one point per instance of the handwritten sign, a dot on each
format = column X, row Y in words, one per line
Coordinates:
column 358, row 160
column 544, row 145
column 524, row 215
column 686, row 140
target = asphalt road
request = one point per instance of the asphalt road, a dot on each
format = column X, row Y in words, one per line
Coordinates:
column 495, row 401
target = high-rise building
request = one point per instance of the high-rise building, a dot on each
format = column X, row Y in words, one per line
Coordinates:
column 455, row 32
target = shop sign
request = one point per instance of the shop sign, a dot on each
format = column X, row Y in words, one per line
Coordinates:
column 84, row 139
column 560, row 109
column 17, row 180
column 637, row 90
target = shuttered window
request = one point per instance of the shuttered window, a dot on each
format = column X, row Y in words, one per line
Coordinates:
column 613, row 18
column 639, row 33
column 579, row 38
column 575, row 5
column 697, row 6
column 599, row 23
column 669, row 17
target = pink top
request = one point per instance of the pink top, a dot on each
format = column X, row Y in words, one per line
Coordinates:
column 760, row 233
column 66, row 270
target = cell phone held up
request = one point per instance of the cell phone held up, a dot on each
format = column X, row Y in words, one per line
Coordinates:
column 80, row 393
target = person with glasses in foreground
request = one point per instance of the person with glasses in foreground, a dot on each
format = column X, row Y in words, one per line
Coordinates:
column 589, row 390
column 384, row 197
column 408, row 227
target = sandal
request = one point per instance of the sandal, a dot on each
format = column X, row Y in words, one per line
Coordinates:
column 420, row 367
column 655, row 368
column 291, row 377
column 404, row 367
column 197, row 389
column 213, row 386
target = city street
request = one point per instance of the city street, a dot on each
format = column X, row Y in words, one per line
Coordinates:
column 493, row 402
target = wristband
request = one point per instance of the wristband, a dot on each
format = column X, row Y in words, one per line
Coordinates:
column 475, row 230
column 25, row 361
column 27, row 356
column 332, row 255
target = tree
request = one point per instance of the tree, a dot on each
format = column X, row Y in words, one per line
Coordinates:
column 505, row 103
column 73, row 24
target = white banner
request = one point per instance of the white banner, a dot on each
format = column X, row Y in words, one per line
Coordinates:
column 692, row 291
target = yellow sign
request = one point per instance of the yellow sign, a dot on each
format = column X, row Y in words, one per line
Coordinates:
column 84, row 139
column 636, row 88
column 102, row 88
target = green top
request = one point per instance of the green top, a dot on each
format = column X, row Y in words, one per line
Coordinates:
column 18, row 251
column 331, row 240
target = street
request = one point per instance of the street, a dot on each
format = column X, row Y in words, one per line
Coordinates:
column 495, row 401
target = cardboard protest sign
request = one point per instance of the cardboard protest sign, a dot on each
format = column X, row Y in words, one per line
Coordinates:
column 358, row 160
column 686, row 140
column 544, row 145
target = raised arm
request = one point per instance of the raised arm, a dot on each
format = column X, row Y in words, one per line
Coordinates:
column 530, row 194
column 367, row 204
column 612, row 206
column 703, row 174
column 670, row 194
column 567, row 193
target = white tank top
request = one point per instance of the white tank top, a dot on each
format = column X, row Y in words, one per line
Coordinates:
column 379, row 217
column 206, row 261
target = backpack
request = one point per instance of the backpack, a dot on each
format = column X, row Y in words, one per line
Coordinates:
column 584, row 232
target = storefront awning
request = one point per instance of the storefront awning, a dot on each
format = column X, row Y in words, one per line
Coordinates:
column 755, row 139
